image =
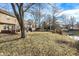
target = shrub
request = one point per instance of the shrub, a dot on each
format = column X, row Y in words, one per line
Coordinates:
column 8, row 31
column 58, row 31
column 77, row 45
column 38, row 29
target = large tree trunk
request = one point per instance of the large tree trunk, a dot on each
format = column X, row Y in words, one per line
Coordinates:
column 19, row 13
column 22, row 21
column 20, row 17
column 22, row 31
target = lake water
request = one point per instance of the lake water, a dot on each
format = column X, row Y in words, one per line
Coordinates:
column 72, row 34
column 74, row 37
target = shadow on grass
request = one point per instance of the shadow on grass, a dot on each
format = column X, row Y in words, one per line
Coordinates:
column 70, row 44
column 77, row 45
column 9, row 33
column 11, row 40
column 6, row 34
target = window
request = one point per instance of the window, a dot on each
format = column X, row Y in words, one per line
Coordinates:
column 5, row 27
column 8, row 27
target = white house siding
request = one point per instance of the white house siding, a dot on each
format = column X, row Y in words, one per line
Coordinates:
column 1, row 27
column 8, row 21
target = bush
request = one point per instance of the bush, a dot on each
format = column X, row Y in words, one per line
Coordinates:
column 38, row 29
column 77, row 45
column 58, row 31
column 8, row 31
column 18, row 30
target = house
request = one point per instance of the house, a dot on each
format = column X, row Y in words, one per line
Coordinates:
column 7, row 21
column 29, row 25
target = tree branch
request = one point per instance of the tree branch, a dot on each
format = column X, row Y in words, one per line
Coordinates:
column 28, row 7
column 15, row 12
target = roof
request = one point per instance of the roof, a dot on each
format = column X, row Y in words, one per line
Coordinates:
column 4, row 19
column 13, row 18
column 6, row 12
column 7, row 23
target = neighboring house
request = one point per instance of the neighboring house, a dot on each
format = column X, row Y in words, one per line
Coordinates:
column 75, row 27
column 7, row 21
column 29, row 24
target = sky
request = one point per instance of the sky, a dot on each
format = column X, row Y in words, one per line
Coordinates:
column 68, row 9
column 67, row 6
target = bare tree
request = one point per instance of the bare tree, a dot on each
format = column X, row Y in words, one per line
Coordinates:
column 45, row 26
column 49, row 19
column 66, row 21
column 37, row 15
column 37, row 12
column 72, row 21
column 77, row 24
column 55, row 10
column 19, row 10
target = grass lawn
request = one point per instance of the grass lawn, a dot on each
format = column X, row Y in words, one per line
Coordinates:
column 38, row 43
column 77, row 33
